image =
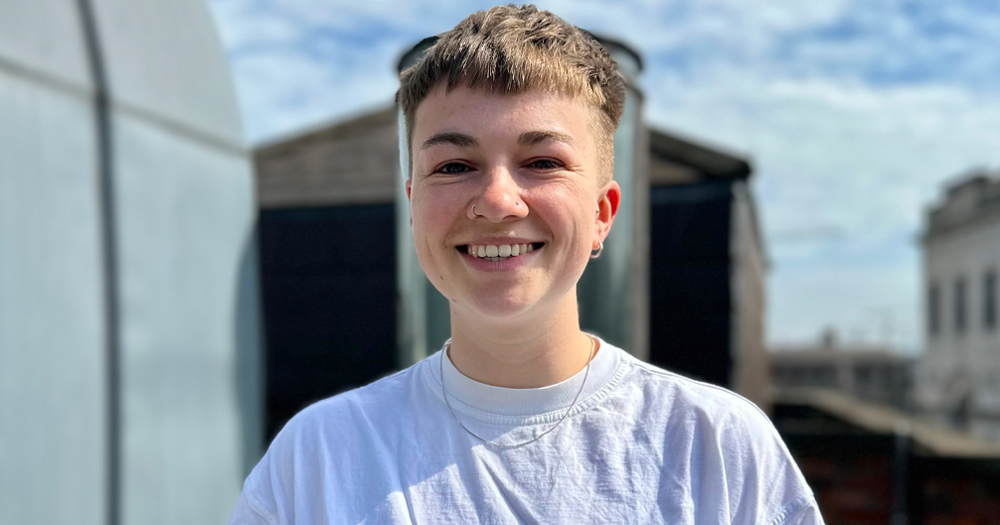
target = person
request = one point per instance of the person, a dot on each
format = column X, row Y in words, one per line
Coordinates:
column 521, row 417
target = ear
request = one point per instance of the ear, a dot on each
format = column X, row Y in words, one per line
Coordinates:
column 607, row 209
column 409, row 200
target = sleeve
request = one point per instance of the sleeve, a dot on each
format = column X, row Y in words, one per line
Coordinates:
column 806, row 515
column 267, row 490
column 764, row 479
column 269, row 494
column 246, row 513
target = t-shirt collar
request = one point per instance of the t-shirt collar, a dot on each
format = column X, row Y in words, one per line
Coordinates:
column 467, row 393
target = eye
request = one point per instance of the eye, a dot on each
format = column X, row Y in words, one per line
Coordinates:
column 544, row 164
column 453, row 168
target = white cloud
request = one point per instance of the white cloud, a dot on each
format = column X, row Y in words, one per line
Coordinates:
column 244, row 23
column 863, row 159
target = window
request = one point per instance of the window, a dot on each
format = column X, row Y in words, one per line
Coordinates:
column 990, row 300
column 934, row 310
column 959, row 305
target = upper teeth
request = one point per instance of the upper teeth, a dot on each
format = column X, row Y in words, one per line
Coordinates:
column 501, row 251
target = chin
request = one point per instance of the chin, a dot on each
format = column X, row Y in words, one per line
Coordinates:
column 501, row 306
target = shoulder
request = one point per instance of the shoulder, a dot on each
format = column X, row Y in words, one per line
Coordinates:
column 710, row 405
column 724, row 440
column 321, row 443
column 345, row 415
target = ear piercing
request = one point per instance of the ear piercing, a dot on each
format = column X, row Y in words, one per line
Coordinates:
column 600, row 248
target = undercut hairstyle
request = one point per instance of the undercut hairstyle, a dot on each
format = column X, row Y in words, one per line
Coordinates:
column 508, row 50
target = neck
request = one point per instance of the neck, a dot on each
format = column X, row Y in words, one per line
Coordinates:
column 532, row 351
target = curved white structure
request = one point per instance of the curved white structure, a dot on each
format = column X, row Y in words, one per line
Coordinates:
column 128, row 288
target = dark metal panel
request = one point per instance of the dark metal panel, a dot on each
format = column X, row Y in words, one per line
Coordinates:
column 329, row 289
column 690, row 301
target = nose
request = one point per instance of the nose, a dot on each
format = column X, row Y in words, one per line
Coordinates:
column 499, row 199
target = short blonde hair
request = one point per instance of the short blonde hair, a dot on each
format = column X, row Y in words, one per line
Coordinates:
column 509, row 50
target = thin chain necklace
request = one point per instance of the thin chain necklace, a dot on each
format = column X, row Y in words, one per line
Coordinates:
column 494, row 444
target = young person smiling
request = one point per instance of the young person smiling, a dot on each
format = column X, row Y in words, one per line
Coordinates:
column 521, row 417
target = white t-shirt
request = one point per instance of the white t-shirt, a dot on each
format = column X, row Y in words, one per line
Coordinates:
column 642, row 445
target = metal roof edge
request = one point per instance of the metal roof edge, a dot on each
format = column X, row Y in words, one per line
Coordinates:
column 880, row 419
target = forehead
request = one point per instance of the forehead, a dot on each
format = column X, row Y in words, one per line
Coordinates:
column 479, row 113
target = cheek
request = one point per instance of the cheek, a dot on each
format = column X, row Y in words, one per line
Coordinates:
column 567, row 211
column 433, row 210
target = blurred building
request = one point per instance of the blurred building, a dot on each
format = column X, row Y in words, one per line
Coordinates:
column 128, row 287
column 870, row 463
column 328, row 223
column 684, row 289
column 960, row 371
column 707, row 266
column 871, row 373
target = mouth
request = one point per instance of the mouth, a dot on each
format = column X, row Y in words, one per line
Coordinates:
column 498, row 252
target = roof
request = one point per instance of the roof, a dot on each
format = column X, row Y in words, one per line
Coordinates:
column 969, row 200
column 674, row 159
column 352, row 162
column 880, row 419
column 819, row 356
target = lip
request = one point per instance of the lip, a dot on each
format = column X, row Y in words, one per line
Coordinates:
column 500, row 240
column 507, row 265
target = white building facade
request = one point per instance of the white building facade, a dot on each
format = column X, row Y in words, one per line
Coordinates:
column 959, row 374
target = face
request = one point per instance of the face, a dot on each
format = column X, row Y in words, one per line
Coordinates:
column 528, row 163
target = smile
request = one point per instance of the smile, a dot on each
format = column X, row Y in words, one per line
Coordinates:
column 498, row 252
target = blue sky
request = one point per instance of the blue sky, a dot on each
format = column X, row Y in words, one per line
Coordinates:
column 854, row 112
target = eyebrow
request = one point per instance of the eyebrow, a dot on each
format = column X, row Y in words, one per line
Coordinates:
column 451, row 137
column 533, row 138
column 528, row 138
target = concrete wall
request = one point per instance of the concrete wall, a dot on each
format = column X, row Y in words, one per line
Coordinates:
column 751, row 374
